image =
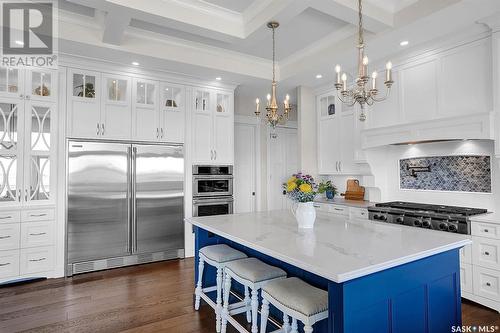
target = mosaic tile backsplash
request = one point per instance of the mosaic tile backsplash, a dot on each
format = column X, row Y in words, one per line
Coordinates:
column 446, row 173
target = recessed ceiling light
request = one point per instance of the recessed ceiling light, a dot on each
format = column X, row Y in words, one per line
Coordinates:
column 218, row 78
column 404, row 43
column 135, row 63
column 319, row 76
column 18, row 42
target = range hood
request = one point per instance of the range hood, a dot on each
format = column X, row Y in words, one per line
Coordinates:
column 469, row 127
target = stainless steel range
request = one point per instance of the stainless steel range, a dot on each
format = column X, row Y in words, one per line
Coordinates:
column 436, row 217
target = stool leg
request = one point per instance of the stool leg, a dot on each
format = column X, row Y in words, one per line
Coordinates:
column 198, row 290
column 294, row 326
column 308, row 329
column 218, row 307
column 247, row 305
column 225, row 311
column 286, row 323
column 264, row 314
column 255, row 308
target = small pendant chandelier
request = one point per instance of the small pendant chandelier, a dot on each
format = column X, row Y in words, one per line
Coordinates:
column 360, row 93
column 272, row 115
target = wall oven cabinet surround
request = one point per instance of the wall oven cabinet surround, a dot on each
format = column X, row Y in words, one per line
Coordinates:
column 213, row 126
column 336, row 136
column 212, row 190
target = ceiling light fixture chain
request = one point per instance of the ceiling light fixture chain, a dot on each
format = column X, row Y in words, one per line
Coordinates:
column 273, row 116
column 360, row 93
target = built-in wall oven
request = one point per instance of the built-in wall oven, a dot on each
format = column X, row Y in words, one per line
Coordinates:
column 212, row 190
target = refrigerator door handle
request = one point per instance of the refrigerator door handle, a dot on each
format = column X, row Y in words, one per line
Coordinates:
column 129, row 200
column 134, row 201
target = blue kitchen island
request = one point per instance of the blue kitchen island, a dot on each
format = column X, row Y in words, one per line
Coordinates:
column 380, row 277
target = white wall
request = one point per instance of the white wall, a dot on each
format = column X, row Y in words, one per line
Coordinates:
column 384, row 162
column 307, row 138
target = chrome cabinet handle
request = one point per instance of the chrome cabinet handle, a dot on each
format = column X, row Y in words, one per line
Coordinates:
column 38, row 234
column 27, row 97
column 38, row 215
column 102, row 129
column 340, row 166
column 19, row 195
column 4, row 237
column 339, row 209
column 7, row 263
column 486, row 253
column 161, row 133
column 5, row 217
column 211, row 154
column 488, row 284
column 215, row 154
column 98, row 129
column 157, row 133
column 36, row 260
column 26, row 195
column 21, row 96
column 486, row 230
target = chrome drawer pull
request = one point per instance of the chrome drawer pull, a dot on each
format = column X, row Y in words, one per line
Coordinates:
column 488, row 284
column 38, row 215
column 486, row 230
column 35, row 260
column 6, row 264
column 38, row 234
column 339, row 209
column 486, row 253
column 4, row 237
column 5, row 217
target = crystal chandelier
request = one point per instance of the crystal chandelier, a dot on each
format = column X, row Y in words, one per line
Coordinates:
column 272, row 115
column 362, row 93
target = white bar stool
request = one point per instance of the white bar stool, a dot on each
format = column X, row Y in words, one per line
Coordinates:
column 251, row 273
column 217, row 256
column 295, row 299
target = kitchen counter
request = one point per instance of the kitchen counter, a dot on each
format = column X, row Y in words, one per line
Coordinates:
column 488, row 218
column 338, row 251
column 378, row 275
column 344, row 202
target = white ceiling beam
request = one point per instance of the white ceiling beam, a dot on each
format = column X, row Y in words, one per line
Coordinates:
column 375, row 19
column 115, row 23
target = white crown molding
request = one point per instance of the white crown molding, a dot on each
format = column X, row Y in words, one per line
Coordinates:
column 493, row 22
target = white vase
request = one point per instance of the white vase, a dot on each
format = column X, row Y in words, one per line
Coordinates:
column 305, row 214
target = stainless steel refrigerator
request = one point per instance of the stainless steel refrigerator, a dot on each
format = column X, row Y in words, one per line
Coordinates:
column 125, row 204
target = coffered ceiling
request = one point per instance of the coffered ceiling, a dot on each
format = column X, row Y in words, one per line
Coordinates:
column 229, row 38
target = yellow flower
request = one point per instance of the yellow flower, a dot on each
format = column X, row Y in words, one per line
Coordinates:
column 291, row 180
column 291, row 186
column 306, row 188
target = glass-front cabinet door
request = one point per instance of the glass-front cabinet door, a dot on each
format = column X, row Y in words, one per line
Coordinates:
column 39, row 123
column 41, row 84
column 11, row 82
column 223, row 128
column 172, row 109
column 145, row 110
column 203, row 126
column 116, row 107
column 11, row 150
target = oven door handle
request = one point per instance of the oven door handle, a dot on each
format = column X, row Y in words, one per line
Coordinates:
column 212, row 200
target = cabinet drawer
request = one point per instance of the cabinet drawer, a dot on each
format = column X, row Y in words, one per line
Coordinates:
column 488, row 230
column 9, row 236
column 486, row 252
column 35, row 260
column 340, row 210
column 320, row 207
column 466, row 254
column 486, row 283
column 37, row 234
column 10, row 216
column 9, row 264
column 359, row 213
column 466, row 284
column 37, row 215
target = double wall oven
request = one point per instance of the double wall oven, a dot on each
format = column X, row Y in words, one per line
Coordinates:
column 212, row 190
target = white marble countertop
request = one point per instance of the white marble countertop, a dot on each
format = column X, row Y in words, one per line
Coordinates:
column 337, row 249
column 344, row 202
column 488, row 217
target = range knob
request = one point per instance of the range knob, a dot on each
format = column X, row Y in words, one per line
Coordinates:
column 417, row 223
column 399, row 220
column 375, row 217
column 443, row 226
column 452, row 228
column 383, row 218
column 426, row 223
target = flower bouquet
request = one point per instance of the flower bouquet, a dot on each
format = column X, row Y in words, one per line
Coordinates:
column 301, row 189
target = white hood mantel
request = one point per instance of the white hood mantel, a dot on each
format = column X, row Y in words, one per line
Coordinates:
column 468, row 127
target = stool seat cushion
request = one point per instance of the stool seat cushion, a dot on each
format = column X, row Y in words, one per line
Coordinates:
column 297, row 295
column 221, row 253
column 254, row 270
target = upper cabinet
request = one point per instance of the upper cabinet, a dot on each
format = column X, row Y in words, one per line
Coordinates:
column 145, row 110
column 116, row 110
column 451, row 83
column 213, row 126
column 172, row 112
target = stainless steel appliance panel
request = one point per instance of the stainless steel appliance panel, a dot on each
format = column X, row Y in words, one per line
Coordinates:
column 212, row 206
column 158, row 185
column 212, row 186
column 98, row 191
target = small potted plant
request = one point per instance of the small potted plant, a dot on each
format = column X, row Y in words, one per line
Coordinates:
column 301, row 189
column 328, row 188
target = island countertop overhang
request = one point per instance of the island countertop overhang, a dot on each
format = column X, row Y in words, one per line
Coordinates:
column 337, row 249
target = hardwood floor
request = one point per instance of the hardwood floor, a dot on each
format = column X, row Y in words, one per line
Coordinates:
column 149, row 298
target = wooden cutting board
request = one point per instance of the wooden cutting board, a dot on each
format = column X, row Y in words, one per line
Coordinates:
column 354, row 191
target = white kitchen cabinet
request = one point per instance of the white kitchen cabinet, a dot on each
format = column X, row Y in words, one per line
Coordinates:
column 9, row 264
column 466, row 278
column 116, row 110
column 145, row 110
column 9, row 236
column 36, row 260
column 11, row 83
column 213, row 127
column 172, row 118
column 486, row 283
column 336, row 136
column 84, row 103
column 486, row 252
